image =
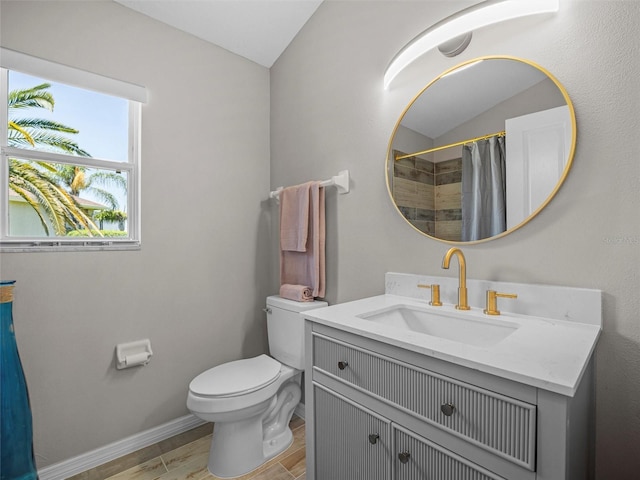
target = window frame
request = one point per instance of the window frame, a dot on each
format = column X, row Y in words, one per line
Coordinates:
column 134, row 94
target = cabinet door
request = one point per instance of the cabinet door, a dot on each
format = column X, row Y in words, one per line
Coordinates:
column 499, row 424
column 416, row 458
column 351, row 442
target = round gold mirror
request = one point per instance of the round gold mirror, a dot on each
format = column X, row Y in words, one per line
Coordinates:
column 481, row 149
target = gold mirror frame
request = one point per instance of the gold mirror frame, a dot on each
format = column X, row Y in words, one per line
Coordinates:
column 390, row 162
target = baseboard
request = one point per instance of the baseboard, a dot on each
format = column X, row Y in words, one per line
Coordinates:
column 99, row 456
column 94, row 458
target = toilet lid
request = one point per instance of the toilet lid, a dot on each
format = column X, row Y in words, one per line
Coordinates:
column 240, row 376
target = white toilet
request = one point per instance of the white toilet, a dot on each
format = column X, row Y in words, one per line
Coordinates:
column 251, row 401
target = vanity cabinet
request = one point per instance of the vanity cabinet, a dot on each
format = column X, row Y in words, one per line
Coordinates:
column 354, row 443
column 376, row 411
column 362, row 451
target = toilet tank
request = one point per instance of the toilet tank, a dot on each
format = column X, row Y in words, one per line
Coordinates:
column 285, row 329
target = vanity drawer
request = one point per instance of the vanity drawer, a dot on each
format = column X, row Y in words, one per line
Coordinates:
column 417, row 458
column 502, row 425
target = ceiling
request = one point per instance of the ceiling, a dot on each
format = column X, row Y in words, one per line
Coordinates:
column 468, row 92
column 259, row 30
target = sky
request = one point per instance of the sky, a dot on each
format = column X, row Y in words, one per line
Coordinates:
column 102, row 120
column 103, row 127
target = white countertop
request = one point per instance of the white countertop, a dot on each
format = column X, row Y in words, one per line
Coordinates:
column 546, row 353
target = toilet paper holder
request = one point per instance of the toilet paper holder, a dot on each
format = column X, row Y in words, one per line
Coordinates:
column 133, row 354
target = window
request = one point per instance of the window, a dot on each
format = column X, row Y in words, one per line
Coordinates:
column 70, row 166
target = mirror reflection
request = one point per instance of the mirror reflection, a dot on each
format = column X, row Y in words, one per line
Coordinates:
column 481, row 150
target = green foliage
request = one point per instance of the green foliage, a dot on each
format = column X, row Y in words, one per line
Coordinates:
column 110, row 216
column 37, row 182
column 96, row 233
column 46, row 198
column 45, row 134
column 75, row 179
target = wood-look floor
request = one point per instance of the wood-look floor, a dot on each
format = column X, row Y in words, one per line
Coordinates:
column 189, row 462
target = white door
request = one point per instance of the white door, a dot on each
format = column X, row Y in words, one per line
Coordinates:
column 537, row 150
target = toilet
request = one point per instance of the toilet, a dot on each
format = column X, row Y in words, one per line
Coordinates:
column 251, row 401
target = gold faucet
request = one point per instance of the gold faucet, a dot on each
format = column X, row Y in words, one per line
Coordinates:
column 462, row 276
column 492, row 301
column 435, row 294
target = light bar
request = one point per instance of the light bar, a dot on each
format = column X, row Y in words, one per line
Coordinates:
column 467, row 20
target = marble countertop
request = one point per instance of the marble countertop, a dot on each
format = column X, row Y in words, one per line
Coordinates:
column 546, row 353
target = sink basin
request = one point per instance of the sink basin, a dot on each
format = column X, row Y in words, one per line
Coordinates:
column 472, row 331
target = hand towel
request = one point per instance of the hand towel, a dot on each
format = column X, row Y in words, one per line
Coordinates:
column 308, row 267
column 294, row 217
column 299, row 293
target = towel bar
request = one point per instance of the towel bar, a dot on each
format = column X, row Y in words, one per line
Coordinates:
column 341, row 182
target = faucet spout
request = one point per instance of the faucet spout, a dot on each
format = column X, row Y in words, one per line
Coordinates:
column 462, row 276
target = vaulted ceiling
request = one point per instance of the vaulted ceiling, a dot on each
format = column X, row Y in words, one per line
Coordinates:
column 259, row 30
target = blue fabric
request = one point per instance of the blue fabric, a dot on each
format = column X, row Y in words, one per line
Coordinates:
column 16, row 434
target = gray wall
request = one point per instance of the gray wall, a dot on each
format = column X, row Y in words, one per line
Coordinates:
column 197, row 287
column 199, row 298
column 329, row 112
column 542, row 96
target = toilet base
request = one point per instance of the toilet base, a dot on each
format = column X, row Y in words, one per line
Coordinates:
column 238, row 461
column 277, row 445
column 239, row 447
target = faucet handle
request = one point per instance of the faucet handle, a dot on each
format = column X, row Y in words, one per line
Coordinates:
column 435, row 294
column 492, row 301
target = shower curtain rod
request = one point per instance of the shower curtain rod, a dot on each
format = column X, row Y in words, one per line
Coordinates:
column 443, row 147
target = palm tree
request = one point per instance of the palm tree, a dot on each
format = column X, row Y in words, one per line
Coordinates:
column 37, row 181
column 35, row 131
column 75, row 178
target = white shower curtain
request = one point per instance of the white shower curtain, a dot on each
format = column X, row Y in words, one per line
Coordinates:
column 483, row 189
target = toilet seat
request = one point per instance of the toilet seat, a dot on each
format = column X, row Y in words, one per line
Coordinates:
column 236, row 378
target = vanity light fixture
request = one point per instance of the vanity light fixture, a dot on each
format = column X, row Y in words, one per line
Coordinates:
column 453, row 33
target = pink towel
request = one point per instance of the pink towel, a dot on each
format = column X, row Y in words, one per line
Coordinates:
column 299, row 293
column 308, row 267
column 294, row 217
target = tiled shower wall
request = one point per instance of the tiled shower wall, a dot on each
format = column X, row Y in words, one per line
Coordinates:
column 448, row 194
column 429, row 195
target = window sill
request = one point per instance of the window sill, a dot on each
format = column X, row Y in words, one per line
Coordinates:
column 23, row 247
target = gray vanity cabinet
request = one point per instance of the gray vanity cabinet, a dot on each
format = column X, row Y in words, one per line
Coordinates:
column 362, row 451
column 356, row 444
column 378, row 412
column 419, row 459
